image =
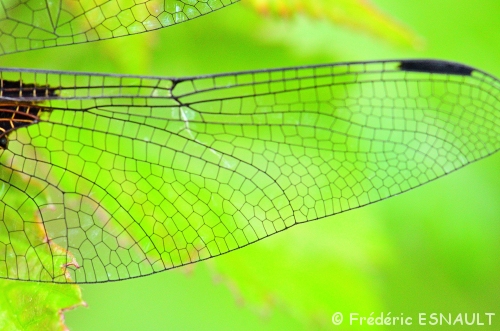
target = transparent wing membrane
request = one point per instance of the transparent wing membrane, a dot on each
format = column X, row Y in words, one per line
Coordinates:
column 33, row 24
column 122, row 176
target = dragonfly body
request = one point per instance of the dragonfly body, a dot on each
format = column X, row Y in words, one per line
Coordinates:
column 112, row 177
column 17, row 114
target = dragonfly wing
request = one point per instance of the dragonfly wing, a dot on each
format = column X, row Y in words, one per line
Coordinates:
column 39, row 24
column 135, row 175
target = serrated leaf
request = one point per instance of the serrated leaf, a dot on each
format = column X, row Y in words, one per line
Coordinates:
column 30, row 306
column 276, row 274
column 354, row 14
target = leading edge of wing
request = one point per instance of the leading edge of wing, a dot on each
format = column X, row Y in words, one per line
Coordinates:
column 415, row 65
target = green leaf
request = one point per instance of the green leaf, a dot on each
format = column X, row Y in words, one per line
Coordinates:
column 355, row 14
column 36, row 306
column 351, row 249
column 31, row 305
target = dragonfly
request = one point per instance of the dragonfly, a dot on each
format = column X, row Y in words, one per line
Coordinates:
column 110, row 177
column 27, row 25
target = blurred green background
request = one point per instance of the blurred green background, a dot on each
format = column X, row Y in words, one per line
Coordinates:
column 434, row 249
